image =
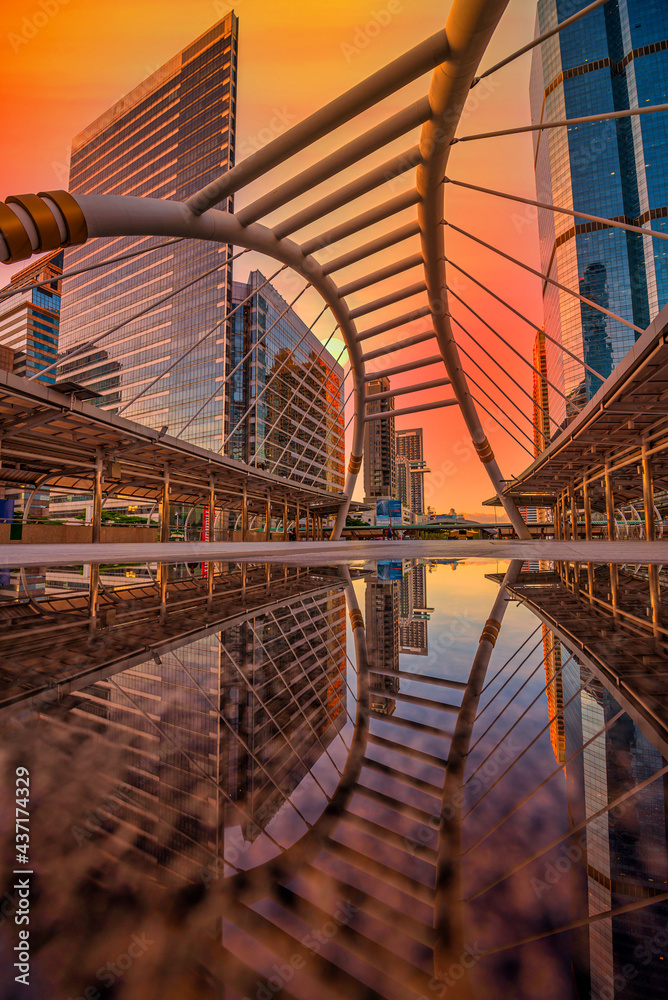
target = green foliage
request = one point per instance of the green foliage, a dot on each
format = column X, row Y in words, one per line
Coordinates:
column 115, row 517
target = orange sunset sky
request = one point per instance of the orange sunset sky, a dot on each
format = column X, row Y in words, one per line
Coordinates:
column 64, row 63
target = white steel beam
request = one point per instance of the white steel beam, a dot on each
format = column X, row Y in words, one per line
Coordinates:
column 383, row 174
column 384, row 414
column 408, row 367
column 408, row 67
column 346, row 156
column 380, row 352
column 384, row 272
column 390, row 299
column 394, row 324
column 383, row 242
column 370, row 218
column 404, row 390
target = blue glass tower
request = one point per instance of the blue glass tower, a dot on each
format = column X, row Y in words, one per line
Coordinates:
column 30, row 320
column 286, row 392
column 614, row 59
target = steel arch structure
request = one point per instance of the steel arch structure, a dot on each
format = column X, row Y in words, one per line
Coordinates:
column 35, row 223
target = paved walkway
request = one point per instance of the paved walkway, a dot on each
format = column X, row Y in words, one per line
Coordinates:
column 331, row 553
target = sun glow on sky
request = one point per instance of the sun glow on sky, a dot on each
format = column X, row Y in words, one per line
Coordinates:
column 66, row 61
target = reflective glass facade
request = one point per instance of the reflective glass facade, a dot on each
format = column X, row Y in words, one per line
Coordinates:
column 286, row 392
column 414, row 614
column 615, row 866
column 166, row 139
column 615, row 58
column 219, row 734
column 380, row 447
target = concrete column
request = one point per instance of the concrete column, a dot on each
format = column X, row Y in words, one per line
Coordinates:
column 650, row 535
column 587, row 509
column 93, row 593
column 163, row 568
column 610, row 505
column 267, row 529
column 588, row 533
column 212, row 512
column 612, row 534
column 209, row 537
column 244, row 516
column 573, row 513
column 97, row 502
column 648, row 494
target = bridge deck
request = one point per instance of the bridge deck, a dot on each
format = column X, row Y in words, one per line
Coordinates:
column 47, row 435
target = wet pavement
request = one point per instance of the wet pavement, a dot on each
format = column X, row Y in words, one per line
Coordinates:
column 341, row 552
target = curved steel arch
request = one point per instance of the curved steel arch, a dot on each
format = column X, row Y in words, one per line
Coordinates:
column 33, row 223
column 112, row 215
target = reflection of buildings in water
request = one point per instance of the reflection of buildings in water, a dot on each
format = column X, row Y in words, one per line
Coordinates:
column 555, row 692
column 396, row 619
column 41, row 582
column 282, row 691
column 623, row 852
column 413, row 612
column 297, row 671
column 16, row 585
column 381, row 605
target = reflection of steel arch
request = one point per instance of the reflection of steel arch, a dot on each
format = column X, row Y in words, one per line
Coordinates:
column 32, row 223
column 368, row 857
column 567, row 617
column 366, row 841
column 448, row 912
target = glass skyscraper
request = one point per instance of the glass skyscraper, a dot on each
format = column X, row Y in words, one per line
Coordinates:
column 286, row 391
column 212, row 767
column 615, row 58
column 167, row 138
column 380, row 448
column 30, row 320
column 622, row 851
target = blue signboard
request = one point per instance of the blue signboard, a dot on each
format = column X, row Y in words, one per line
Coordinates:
column 388, row 512
column 389, row 570
column 6, row 510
